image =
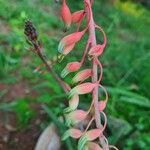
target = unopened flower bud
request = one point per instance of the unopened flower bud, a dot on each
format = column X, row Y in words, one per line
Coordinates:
column 67, row 43
column 70, row 67
column 66, row 14
column 30, row 31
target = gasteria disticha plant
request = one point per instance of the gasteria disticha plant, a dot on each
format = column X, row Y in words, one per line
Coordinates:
column 89, row 138
column 73, row 115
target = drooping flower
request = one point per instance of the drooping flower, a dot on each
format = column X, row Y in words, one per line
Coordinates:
column 75, row 117
column 77, row 16
column 82, row 75
column 67, row 43
column 70, row 67
column 66, row 50
column 66, row 14
column 96, row 50
column 83, row 88
column 74, row 133
column 89, row 136
column 73, row 103
column 93, row 134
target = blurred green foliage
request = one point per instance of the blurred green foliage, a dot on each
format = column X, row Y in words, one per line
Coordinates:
column 126, row 63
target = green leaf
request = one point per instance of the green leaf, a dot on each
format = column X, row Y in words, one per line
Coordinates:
column 122, row 91
column 130, row 97
column 65, row 135
column 138, row 102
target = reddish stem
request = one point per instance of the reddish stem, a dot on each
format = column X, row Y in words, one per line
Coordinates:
column 79, row 24
column 54, row 75
column 85, row 51
column 92, row 37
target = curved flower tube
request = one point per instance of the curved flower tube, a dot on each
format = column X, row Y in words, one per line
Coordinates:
column 82, row 75
column 70, row 67
column 66, row 14
column 83, row 88
column 68, row 41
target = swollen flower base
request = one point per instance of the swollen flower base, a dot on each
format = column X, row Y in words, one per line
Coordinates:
column 87, row 137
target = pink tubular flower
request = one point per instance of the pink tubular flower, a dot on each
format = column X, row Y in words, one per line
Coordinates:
column 68, row 48
column 77, row 16
column 93, row 134
column 69, row 41
column 66, row 14
column 82, row 75
column 70, row 67
column 89, row 136
column 83, row 88
column 93, row 146
column 75, row 117
column 74, row 133
column 73, row 103
column 96, row 50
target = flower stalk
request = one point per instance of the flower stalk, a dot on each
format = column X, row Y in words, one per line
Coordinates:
column 74, row 115
column 92, row 37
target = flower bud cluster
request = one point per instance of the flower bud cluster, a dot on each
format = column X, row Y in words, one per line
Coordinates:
column 30, row 31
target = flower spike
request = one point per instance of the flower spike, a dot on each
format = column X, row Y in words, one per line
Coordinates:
column 66, row 14
column 70, row 67
column 75, row 117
